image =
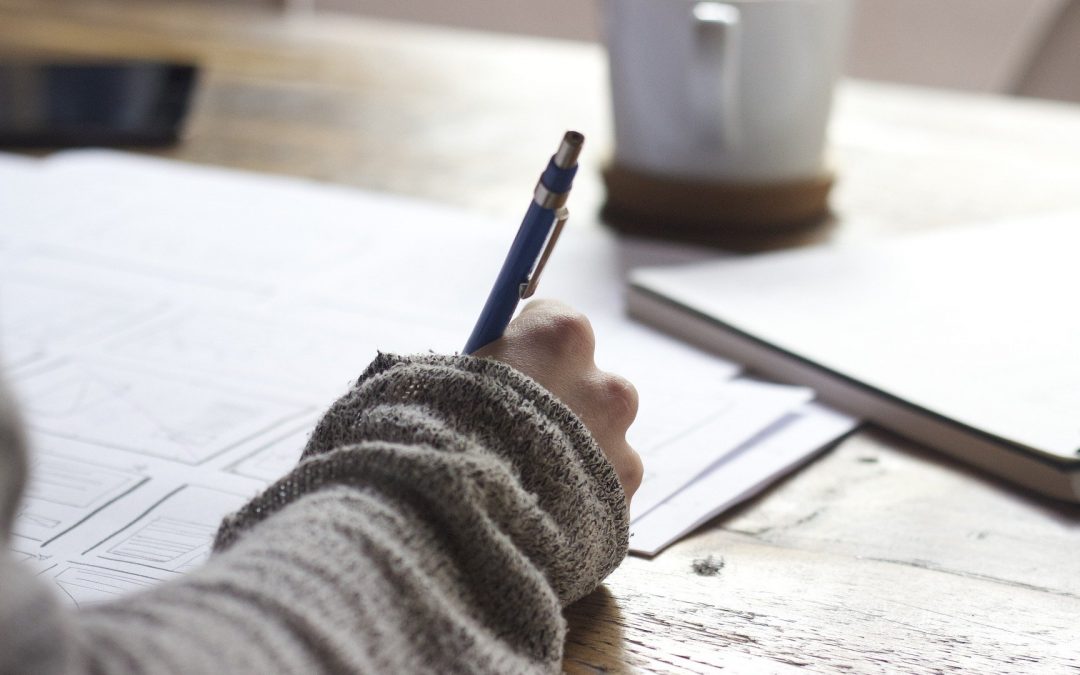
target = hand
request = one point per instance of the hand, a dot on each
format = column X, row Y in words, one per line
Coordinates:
column 553, row 344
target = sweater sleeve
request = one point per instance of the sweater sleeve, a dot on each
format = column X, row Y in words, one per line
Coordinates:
column 444, row 511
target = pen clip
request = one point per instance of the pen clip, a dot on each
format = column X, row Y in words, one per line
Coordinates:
column 529, row 286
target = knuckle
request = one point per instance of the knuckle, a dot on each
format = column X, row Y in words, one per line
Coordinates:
column 568, row 333
column 620, row 397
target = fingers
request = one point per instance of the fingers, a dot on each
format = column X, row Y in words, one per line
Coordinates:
column 628, row 467
column 619, row 397
column 554, row 345
column 611, row 407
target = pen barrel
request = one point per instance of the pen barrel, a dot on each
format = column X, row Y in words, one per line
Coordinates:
column 504, row 296
column 514, row 281
column 557, row 179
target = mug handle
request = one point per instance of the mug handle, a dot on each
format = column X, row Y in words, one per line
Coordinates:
column 714, row 73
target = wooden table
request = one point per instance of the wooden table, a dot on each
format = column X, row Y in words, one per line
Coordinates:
column 880, row 557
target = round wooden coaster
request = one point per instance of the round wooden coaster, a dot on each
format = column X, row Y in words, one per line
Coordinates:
column 737, row 215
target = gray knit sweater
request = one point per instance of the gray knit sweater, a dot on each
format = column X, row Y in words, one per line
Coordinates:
column 444, row 512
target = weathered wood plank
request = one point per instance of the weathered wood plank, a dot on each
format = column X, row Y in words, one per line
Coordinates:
column 822, row 611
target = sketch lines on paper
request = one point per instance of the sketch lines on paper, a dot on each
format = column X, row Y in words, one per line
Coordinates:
column 272, row 461
column 173, row 535
column 64, row 492
column 41, row 315
column 84, row 584
column 175, row 419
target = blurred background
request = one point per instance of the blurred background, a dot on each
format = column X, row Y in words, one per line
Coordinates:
column 1023, row 47
column 380, row 94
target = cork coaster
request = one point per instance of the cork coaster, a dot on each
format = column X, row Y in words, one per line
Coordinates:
column 747, row 216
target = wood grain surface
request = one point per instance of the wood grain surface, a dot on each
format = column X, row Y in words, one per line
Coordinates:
column 879, row 557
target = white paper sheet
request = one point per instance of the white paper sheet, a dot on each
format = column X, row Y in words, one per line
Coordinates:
column 173, row 333
column 740, row 475
column 708, row 426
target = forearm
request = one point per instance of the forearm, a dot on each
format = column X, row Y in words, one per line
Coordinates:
column 340, row 581
column 445, row 511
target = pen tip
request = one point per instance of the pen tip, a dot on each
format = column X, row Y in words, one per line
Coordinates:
column 567, row 154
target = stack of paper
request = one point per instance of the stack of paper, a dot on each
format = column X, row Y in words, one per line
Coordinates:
column 173, row 333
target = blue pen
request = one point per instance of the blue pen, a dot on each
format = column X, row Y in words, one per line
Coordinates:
column 528, row 254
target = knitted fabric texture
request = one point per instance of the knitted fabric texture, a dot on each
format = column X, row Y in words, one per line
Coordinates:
column 445, row 510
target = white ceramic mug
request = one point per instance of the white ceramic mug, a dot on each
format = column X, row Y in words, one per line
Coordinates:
column 726, row 90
